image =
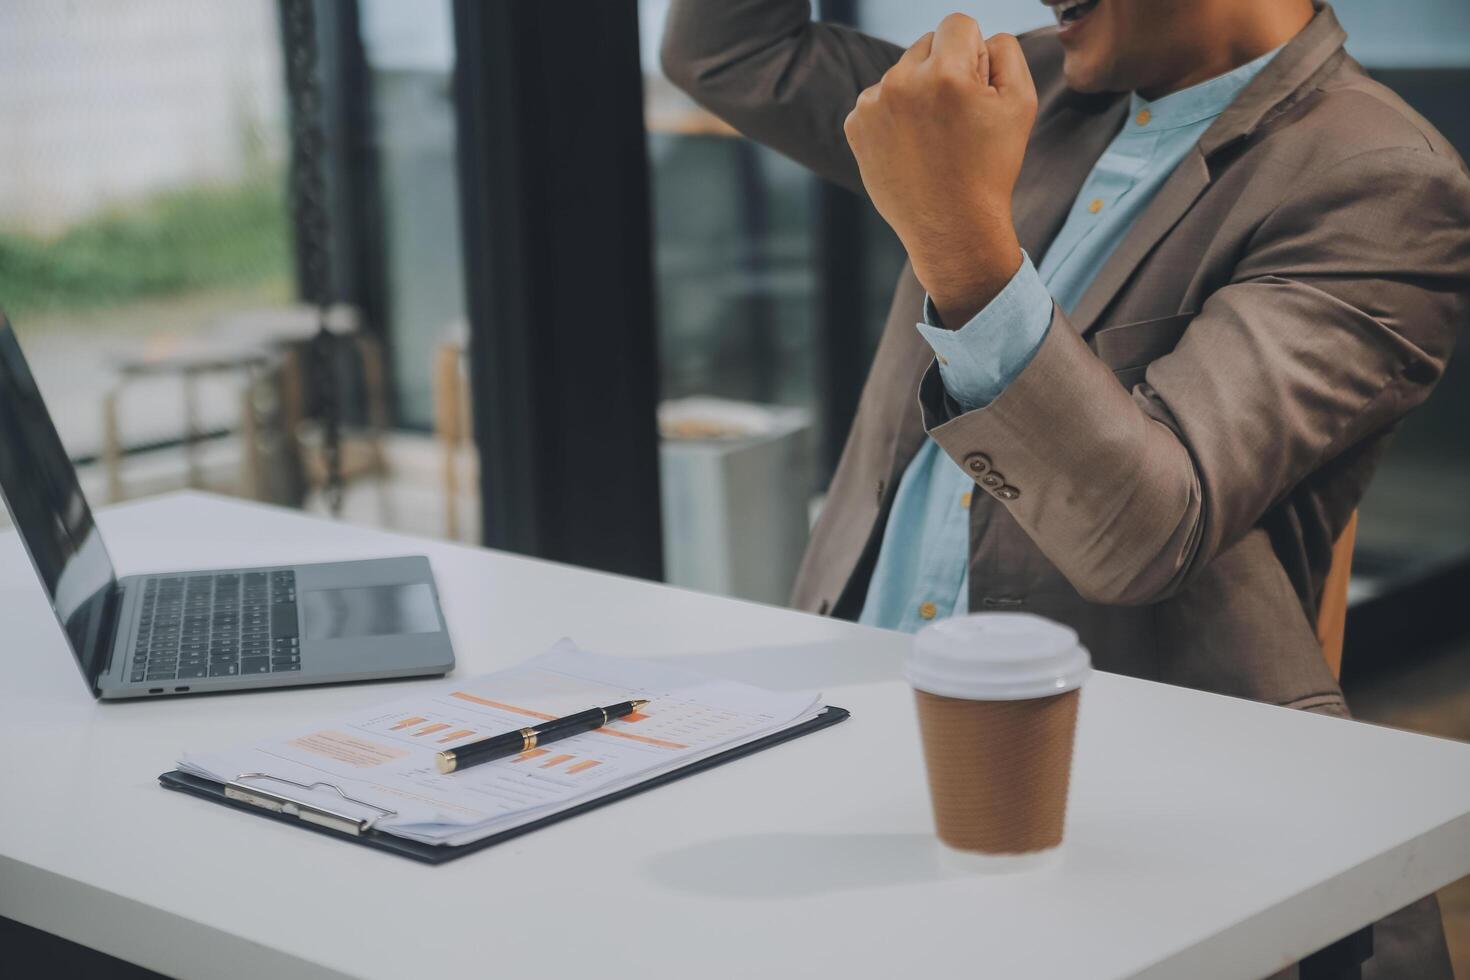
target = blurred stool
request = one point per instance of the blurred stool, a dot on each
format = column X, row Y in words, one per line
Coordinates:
column 359, row 378
column 188, row 361
column 452, row 424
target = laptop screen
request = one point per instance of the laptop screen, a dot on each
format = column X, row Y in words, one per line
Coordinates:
column 45, row 501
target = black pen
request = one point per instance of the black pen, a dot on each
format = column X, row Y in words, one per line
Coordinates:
column 526, row 739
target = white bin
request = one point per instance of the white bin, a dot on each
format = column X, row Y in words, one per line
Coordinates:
column 735, row 481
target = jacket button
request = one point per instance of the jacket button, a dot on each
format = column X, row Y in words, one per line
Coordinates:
column 1007, row 493
column 992, row 480
column 977, row 463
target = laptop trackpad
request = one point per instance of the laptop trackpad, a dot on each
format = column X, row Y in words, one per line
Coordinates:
column 376, row 610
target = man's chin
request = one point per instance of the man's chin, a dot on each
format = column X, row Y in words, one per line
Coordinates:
column 1084, row 78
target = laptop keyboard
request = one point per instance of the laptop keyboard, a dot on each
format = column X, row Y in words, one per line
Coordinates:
column 221, row 625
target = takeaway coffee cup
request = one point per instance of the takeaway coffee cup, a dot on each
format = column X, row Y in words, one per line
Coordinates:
column 997, row 699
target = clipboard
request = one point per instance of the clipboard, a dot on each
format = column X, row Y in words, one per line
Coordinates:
column 323, row 821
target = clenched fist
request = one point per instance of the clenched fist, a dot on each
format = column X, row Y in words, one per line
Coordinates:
column 939, row 141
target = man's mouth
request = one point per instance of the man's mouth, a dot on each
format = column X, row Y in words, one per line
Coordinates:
column 1070, row 12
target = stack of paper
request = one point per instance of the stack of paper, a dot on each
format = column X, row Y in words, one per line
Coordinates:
column 383, row 757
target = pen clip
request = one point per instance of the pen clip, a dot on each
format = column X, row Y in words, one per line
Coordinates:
column 309, row 812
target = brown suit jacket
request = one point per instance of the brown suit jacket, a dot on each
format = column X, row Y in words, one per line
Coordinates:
column 1170, row 471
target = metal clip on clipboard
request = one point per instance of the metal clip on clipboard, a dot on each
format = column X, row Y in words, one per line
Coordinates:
column 309, row 812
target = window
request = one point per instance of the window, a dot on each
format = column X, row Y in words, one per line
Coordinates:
column 150, row 253
column 410, row 56
column 756, row 401
column 141, row 199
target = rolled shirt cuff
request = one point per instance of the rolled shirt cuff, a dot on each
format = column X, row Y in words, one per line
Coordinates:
column 977, row 361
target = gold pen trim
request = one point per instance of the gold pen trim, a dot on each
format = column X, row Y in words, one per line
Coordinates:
column 447, row 761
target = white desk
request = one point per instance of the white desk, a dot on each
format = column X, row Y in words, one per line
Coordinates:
column 1208, row 837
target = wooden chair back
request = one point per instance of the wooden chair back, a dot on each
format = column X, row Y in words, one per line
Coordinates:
column 1332, row 610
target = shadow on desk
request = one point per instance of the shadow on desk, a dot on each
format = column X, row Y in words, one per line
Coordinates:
column 764, row 866
column 761, row 867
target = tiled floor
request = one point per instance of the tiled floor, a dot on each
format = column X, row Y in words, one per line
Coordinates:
column 1431, row 697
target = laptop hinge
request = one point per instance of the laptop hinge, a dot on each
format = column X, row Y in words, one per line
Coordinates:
column 107, row 628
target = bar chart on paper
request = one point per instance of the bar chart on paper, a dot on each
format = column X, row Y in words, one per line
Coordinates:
column 569, row 764
column 425, row 728
column 387, row 753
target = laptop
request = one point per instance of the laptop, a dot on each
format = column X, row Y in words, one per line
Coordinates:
column 195, row 632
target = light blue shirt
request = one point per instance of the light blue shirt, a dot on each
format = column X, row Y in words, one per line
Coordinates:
column 922, row 573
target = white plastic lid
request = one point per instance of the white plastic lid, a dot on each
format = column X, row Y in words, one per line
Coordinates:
column 999, row 656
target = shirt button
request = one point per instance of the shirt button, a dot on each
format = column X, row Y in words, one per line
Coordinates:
column 1096, row 205
column 927, row 610
column 1007, row 493
column 965, row 501
column 1143, row 117
column 977, row 463
column 942, row 359
column 992, row 480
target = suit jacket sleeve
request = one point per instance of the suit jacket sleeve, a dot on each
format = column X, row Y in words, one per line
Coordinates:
column 1339, row 319
column 771, row 72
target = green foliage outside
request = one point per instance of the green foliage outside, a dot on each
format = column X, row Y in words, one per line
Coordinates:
column 204, row 237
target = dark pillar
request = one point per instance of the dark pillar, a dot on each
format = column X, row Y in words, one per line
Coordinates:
column 554, row 191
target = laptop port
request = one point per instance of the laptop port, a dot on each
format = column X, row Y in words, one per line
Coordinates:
column 184, row 688
column 155, row 690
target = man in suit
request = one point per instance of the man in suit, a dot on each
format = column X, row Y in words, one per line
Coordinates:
column 1176, row 271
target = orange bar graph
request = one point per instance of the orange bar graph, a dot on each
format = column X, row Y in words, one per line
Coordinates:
column 555, row 760
column 466, row 696
column 529, row 755
column 646, row 740
column 454, row 735
column 430, row 729
column 407, row 722
column 633, row 716
column 584, row 766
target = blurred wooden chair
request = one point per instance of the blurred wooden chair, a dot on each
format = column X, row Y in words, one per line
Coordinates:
column 361, row 443
column 1332, row 610
column 359, row 379
column 452, row 424
column 188, row 361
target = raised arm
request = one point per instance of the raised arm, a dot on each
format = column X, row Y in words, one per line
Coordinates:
column 769, row 70
column 1340, row 319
